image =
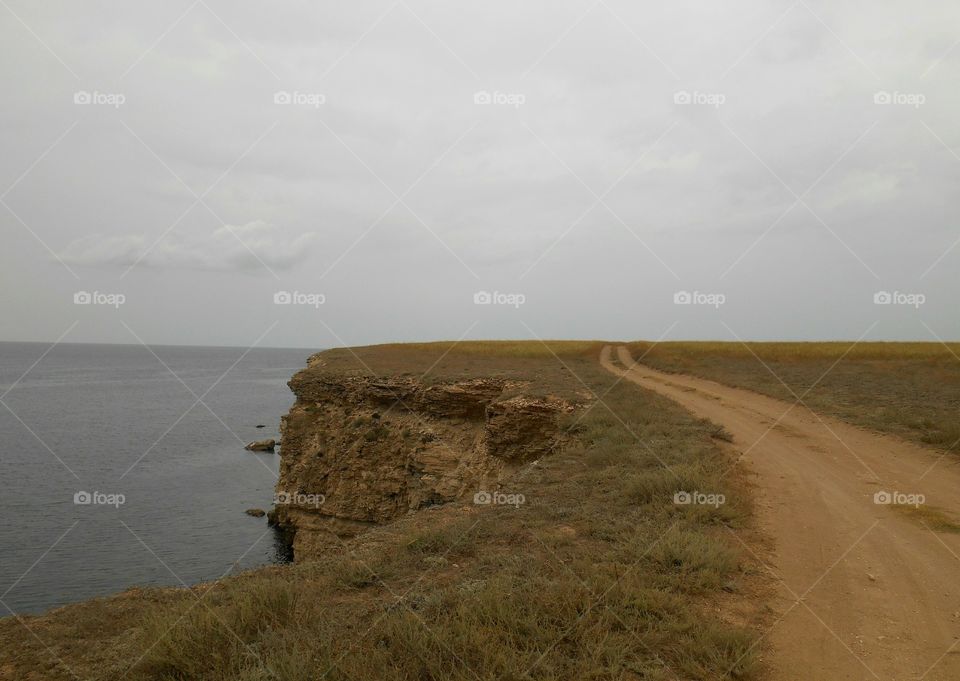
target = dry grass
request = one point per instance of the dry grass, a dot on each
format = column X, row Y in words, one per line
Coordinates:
column 908, row 389
column 499, row 349
column 597, row 575
column 537, row 365
column 803, row 351
column 931, row 517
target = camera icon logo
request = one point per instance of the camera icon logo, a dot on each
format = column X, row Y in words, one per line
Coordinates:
column 281, row 498
column 682, row 298
column 482, row 298
column 682, row 97
column 482, row 97
column 482, row 498
column 82, row 498
column 882, row 97
column 882, row 497
column 81, row 97
column 281, row 97
column 82, row 298
column 882, row 298
column 282, row 298
column 682, row 498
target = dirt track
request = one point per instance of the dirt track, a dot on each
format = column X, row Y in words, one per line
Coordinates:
column 865, row 591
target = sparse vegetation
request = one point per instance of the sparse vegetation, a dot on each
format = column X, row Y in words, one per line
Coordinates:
column 930, row 517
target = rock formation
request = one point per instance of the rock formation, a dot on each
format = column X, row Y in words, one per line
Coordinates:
column 262, row 446
column 363, row 450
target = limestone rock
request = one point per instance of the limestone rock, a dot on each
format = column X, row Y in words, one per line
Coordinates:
column 376, row 448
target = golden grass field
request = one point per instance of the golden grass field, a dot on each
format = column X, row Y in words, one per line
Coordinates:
column 907, row 389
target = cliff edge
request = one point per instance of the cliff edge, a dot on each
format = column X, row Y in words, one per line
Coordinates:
column 361, row 449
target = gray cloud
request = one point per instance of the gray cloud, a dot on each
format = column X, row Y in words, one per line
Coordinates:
column 598, row 197
column 244, row 247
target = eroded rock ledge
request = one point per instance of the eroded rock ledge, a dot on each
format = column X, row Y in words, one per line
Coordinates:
column 359, row 450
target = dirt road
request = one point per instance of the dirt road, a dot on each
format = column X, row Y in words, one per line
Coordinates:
column 866, row 590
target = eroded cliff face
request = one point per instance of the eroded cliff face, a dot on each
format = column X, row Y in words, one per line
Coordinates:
column 358, row 450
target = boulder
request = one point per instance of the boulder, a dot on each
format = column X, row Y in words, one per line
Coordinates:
column 261, row 446
column 256, row 512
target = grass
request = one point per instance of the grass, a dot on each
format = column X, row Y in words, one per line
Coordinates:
column 598, row 575
column 911, row 390
column 931, row 517
column 497, row 349
column 532, row 365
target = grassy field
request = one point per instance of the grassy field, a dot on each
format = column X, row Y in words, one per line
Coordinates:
column 598, row 574
column 530, row 363
column 908, row 389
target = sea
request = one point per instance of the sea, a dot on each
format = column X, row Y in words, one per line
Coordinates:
column 124, row 466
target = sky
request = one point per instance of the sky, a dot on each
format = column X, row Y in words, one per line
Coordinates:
column 309, row 174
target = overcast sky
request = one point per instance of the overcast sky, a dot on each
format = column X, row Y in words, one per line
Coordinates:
column 779, row 165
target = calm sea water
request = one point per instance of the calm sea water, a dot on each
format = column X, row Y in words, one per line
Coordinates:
column 122, row 424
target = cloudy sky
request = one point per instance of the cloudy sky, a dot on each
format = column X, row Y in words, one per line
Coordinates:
column 609, row 169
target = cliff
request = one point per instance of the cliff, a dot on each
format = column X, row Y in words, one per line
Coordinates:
column 360, row 450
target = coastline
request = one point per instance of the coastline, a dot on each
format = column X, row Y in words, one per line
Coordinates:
column 478, row 465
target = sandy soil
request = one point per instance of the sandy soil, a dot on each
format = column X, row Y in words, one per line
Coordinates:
column 866, row 590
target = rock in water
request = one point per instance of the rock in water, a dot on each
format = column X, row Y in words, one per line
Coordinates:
column 256, row 512
column 261, row 446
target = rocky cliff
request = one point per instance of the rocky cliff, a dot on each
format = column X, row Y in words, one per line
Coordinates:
column 359, row 450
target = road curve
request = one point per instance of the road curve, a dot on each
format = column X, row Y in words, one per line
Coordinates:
column 865, row 591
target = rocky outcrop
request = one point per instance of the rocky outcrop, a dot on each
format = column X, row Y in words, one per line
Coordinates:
column 261, row 446
column 522, row 428
column 359, row 450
